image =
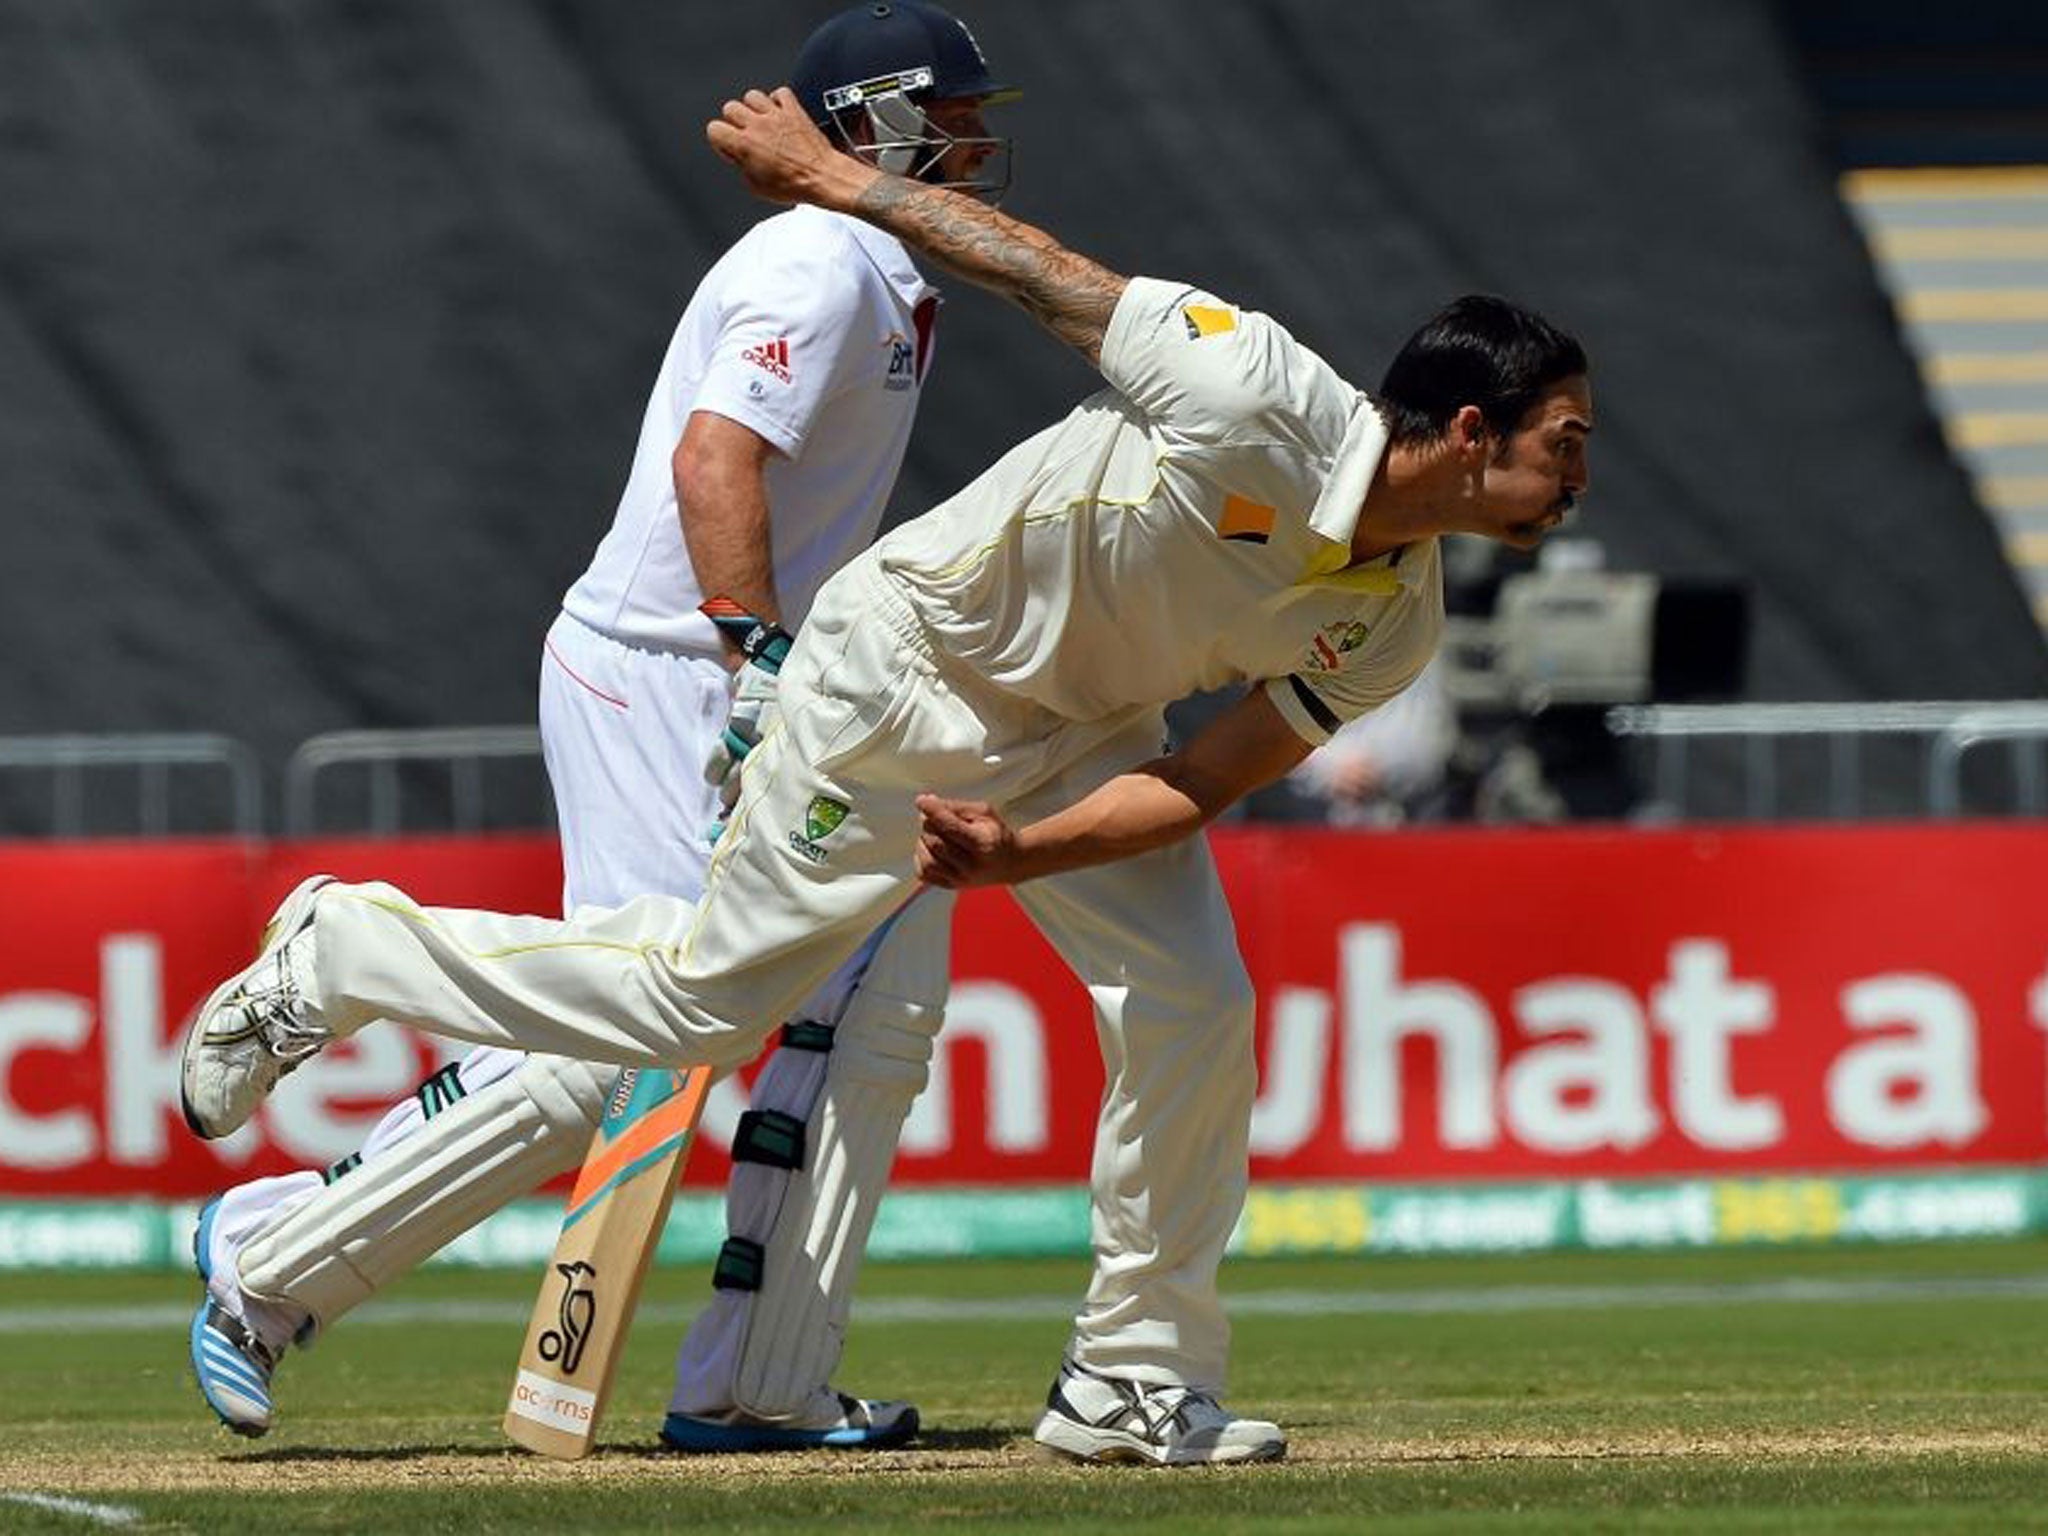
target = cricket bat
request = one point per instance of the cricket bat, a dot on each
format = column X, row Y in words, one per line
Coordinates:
column 609, row 1233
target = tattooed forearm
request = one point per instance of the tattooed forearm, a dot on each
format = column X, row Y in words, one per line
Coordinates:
column 1068, row 294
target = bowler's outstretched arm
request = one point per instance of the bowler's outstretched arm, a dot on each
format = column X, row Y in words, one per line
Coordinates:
column 785, row 159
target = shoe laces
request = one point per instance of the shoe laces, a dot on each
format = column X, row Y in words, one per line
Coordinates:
column 276, row 1005
column 1159, row 1407
column 1184, row 1406
column 292, row 1040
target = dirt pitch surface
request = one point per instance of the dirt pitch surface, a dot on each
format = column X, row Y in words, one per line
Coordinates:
column 307, row 1470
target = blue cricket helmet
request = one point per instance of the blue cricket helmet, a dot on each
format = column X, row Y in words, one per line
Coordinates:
column 891, row 47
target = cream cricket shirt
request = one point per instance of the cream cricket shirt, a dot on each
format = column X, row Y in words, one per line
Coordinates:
column 815, row 331
column 1185, row 529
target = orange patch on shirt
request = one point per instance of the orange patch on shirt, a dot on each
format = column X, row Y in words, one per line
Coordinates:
column 1245, row 521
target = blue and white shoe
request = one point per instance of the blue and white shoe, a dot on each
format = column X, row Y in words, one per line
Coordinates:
column 233, row 1365
column 846, row 1423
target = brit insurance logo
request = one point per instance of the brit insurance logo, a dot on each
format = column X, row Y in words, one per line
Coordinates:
column 1326, row 652
column 902, row 372
column 821, row 819
column 772, row 357
column 563, row 1344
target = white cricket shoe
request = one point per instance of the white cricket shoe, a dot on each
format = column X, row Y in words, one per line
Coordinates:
column 1092, row 1417
column 256, row 1026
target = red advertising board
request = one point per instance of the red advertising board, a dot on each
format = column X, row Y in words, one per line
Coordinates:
column 106, row 948
column 1618, row 1001
column 1432, row 1005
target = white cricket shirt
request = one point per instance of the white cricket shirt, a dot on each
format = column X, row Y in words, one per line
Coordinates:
column 1185, row 529
column 814, row 330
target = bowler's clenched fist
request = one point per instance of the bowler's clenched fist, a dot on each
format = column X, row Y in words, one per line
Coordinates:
column 776, row 146
column 962, row 843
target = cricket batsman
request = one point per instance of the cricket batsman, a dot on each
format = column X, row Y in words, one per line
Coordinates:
column 770, row 444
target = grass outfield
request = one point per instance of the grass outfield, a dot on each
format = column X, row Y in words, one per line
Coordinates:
column 1866, row 1390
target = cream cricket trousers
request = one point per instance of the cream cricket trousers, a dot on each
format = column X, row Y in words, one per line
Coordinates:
column 818, row 852
column 626, row 732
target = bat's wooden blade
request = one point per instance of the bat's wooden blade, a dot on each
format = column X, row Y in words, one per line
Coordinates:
column 609, row 1233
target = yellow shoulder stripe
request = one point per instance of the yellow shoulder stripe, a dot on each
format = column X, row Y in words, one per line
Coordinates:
column 1207, row 320
column 1330, row 566
column 1375, row 580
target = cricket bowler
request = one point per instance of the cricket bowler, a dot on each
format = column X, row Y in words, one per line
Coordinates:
column 978, row 700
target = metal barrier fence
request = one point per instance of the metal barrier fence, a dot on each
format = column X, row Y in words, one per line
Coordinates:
column 386, row 782
column 1942, row 735
column 380, row 755
column 69, row 763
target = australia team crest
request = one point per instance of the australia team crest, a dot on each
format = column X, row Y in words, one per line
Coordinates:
column 822, row 817
column 1333, row 641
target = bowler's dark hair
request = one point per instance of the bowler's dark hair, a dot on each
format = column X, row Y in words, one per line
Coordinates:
column 1480, row 351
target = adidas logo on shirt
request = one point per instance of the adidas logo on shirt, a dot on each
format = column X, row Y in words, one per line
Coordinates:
column 772, row 356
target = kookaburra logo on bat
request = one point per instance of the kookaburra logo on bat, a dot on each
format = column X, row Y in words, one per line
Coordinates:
column 577, row 1315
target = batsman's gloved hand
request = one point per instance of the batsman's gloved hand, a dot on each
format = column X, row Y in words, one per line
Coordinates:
column 764, row 645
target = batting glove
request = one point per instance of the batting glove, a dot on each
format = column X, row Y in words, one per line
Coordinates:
column 764, row 645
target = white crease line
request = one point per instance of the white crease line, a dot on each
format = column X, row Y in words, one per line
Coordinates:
column 1792, row 1290
column 100, row 1514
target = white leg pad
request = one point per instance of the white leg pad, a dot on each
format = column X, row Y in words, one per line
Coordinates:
column 456, row 1081
column 361, row 1232
column 769, row 1352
